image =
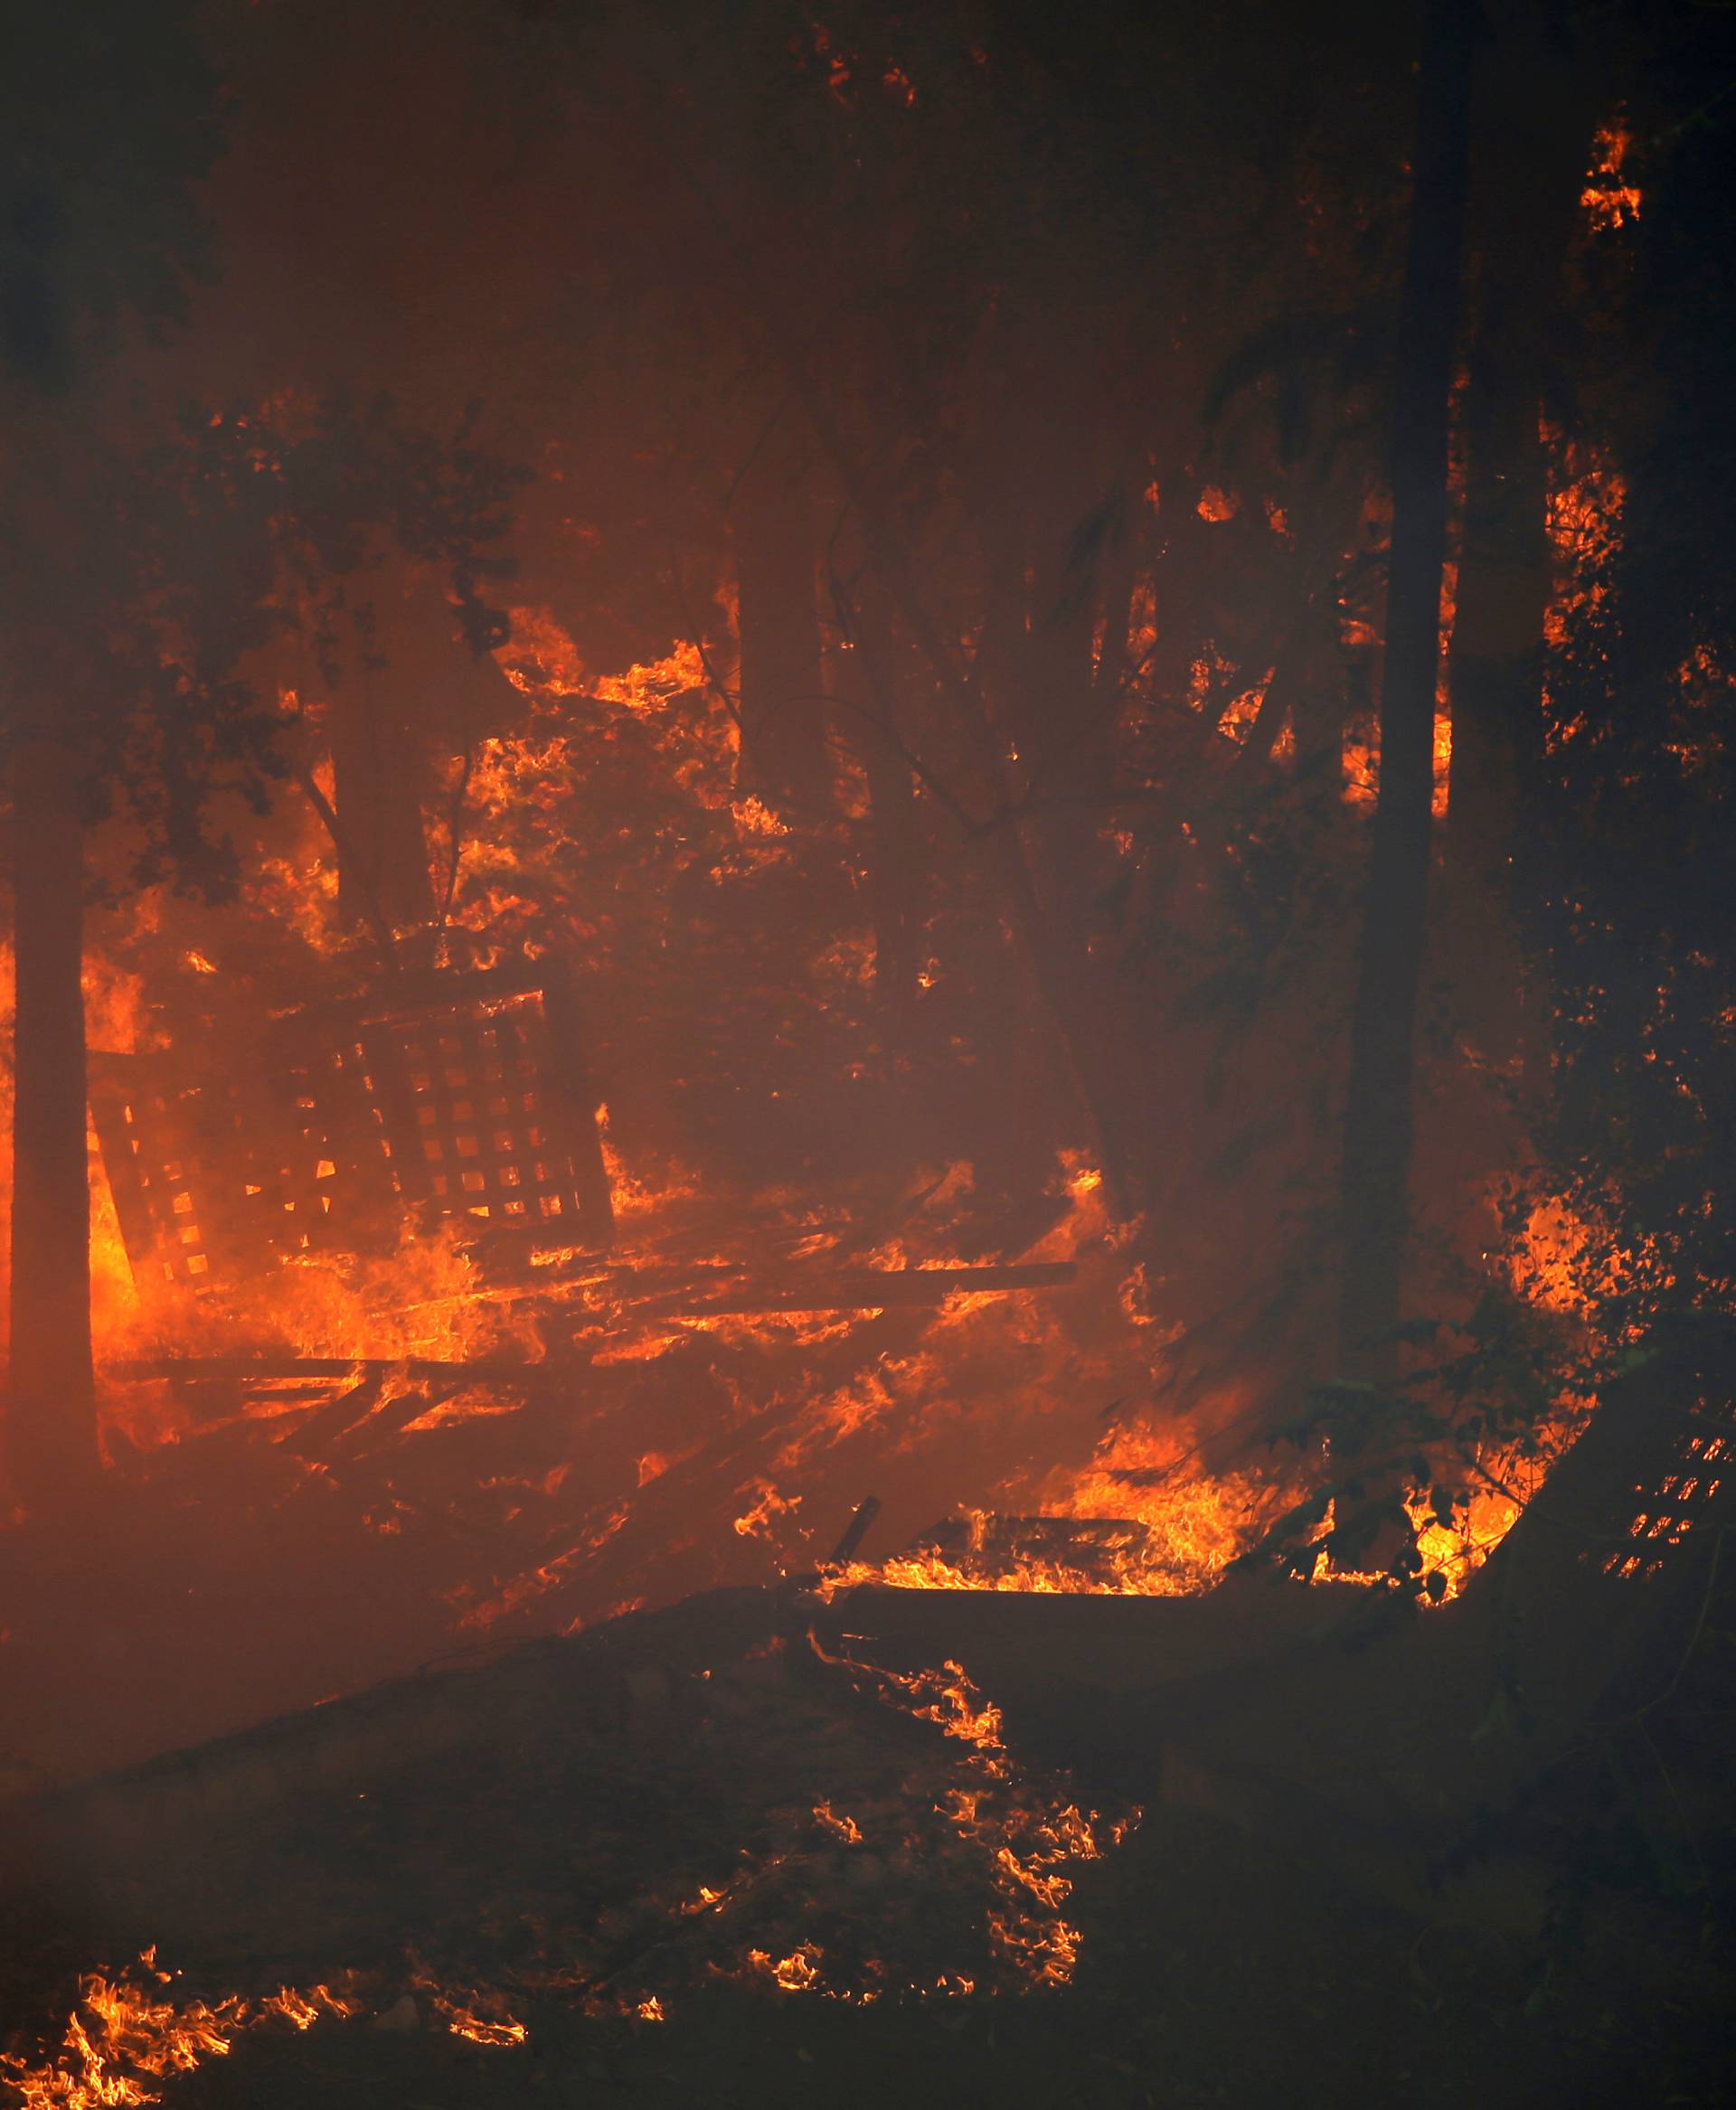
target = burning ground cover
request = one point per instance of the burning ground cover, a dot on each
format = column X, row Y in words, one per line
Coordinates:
column 445, row 1444
column 648, row 1827
column 498, row 1457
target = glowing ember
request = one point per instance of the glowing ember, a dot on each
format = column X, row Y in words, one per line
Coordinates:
column 797, row 1973
column 1609, row 199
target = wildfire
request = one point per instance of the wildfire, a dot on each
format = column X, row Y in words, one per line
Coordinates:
column 1609, row 200
column 1455, row 1551
column 799, row 1972
column 1197, row 1522
column 125, row 2035
column 426, row 1299
column 494, row 2028
column 1028, row 1836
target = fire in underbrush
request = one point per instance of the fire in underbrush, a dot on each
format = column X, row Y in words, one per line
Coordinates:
column 128, row 2036
column 699, row 1404
column 939, row 1865
column 809, row 1396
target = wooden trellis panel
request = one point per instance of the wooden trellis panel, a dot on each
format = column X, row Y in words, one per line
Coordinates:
column 1651, row 1476
column 479, row 1118
column 452, row 1095
column 218, row 1176
column 1691, row 1492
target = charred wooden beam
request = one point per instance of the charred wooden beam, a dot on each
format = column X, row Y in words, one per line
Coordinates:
column 874, row 1289
column 856, row 1530
column 282, row 1369
column 339, row 1417
column 217, row 1384
column 342, row 1391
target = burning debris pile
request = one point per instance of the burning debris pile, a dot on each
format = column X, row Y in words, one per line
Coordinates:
column 490, row 1433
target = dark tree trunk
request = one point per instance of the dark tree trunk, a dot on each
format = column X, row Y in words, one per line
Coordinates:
column 379, row 770
column 783, row 712
column 1063, row 718
column 1532, row 146
column 1382, row 1045
column 1007, row 713
column 1055, row 975
column 52, row 1454
column 868, row 684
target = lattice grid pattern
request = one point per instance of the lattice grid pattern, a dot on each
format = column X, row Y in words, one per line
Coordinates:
column 474, row 1084
column 221, row 1177
column 1686, row 1496
column 347, row 1117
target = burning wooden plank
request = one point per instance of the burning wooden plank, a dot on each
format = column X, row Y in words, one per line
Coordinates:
column 341, row 1392
column 875, row 1289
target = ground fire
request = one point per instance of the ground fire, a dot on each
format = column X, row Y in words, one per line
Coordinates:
column 872, row 1054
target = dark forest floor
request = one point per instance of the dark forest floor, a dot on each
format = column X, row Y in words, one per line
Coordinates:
column 553, row 1807
column 1209, row 1980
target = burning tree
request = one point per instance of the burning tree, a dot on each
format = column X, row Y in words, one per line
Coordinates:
column 144, row 572
column 102, row 226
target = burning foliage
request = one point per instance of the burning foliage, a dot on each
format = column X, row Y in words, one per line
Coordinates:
column 939, row 1866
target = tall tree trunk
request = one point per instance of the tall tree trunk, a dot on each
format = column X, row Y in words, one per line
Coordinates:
column 1054, row 975
column 783, row 713
column 50, row 1431
column 1533, row 135
column 866, row 682
column 1062, row 718
column 1031, row 676
column 379, row 770
column 1375, row 1192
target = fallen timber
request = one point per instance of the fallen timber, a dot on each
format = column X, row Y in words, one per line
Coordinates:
column 1340, row 1725
column 596, row 1778
column 869, row 1289
column 1334, row 1725
column 246, row 1368
column 268, row 1376
column 876, row 1289
column 207, row 1849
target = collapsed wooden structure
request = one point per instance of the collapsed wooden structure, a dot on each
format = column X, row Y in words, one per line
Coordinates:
column 437, row 1095
column 1259, row 1691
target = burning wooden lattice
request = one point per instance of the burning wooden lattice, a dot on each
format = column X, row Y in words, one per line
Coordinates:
column 479, row 1126
column 1648, row 1484
column 216, row 1176
column 455, row 1096
column 1687, row 1494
